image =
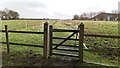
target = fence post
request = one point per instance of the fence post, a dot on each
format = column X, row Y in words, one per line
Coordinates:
column 81, row 38
column 46, row 41
column 7, row 39
column 50, row 39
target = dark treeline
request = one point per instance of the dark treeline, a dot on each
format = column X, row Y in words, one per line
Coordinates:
column 8, row 14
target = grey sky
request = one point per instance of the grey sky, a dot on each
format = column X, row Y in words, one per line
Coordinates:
column 62, row 9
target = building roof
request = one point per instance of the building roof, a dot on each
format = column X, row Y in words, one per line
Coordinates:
column 107, row 14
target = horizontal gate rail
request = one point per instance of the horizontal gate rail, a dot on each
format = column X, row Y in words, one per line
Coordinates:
column 64, row 30
column 21, row 44
column 67, row 45
column 65, row 38
column 29, row 32
column 65, row 55
column 66, row 50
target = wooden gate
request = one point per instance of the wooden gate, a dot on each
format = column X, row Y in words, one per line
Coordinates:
column 48, row 41
column 53, row 46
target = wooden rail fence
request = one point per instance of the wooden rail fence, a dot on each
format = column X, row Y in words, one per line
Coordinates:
column 48, row 40
column 6, row 31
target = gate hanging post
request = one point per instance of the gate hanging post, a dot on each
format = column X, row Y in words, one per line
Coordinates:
column 46, row 41
column 7, row 39
column 81, row 39
column 50, row 39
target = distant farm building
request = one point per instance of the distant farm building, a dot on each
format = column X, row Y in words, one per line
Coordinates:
column 106, row 17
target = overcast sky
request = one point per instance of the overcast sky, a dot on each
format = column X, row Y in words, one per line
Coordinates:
column 62, row 9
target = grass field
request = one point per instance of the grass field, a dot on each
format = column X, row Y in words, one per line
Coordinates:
column 91, row 27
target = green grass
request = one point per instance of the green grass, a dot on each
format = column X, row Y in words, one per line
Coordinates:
column 91, row 27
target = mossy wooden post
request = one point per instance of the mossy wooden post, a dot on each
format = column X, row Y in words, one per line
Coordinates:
column 46, row 41
column 7, row 39
column 50, row 39
column 81, row 38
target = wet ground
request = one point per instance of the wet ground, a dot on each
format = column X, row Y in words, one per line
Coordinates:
column 30, row 60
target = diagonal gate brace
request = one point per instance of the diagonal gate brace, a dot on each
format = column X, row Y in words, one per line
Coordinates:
column 65, row 40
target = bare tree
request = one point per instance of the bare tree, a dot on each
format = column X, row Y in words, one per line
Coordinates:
column 101, row 12
column 92, row 14
column 84, row 16
column 114, row 11
column 87, row 16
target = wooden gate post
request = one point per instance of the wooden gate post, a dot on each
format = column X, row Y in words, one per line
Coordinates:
column 46, row 41
column 81, row 38
column 50, row 39
column 7, row 39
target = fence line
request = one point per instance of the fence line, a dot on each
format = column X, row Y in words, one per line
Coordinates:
column 6, row 31
column 28, row 32
column 104, row 36
column 87, row 35
column 48, row 39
